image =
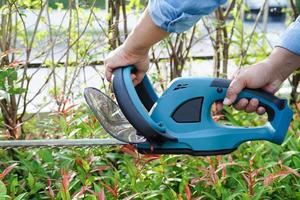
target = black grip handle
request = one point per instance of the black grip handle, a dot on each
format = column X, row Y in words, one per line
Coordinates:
column 256, row 93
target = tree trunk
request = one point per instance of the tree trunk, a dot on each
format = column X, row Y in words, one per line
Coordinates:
column 113, row 23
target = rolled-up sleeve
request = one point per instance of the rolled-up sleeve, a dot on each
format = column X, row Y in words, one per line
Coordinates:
column 291, row 38
column 180, row 15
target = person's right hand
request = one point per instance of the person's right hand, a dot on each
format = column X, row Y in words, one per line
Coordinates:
column 123, row 56
column 267, row 75
column 260, row 75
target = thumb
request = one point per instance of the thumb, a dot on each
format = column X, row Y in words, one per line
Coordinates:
column 235, row 87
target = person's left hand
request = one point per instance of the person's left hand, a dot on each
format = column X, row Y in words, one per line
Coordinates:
column 123, row 56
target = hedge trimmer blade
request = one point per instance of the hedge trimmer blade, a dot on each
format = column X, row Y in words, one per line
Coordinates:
column 111, row 117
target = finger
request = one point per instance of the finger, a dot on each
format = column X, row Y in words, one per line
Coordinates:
column 108, row 73
column 242, row 104
column 133, row 76
column 219, row 106
column 260, row 110
column 139, row 77
column 252, row 106
column 235, row 87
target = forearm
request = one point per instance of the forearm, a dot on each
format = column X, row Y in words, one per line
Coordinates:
column 144, row 35
column 283, row 62
column 164, row 17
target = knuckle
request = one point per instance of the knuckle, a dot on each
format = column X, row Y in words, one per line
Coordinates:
column 230, row 91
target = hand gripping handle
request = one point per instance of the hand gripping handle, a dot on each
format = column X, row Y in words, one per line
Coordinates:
column 135, row 102
column 279, row 114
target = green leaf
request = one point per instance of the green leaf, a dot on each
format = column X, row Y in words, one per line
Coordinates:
column 85, row 166
column 30, row 180
column 296, row 161
column 3, row 189
column 210, row 196
column 259, row 193
column 46, row 155
column 13, row 186
column 8, row 73
column 233, row 196
column 37, row 187
column 288, row 154
column 16, row 90
column 59, row 6
column 21, row 196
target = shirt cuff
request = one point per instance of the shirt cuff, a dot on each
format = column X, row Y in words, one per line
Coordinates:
column 180, row 15
column 290, row 40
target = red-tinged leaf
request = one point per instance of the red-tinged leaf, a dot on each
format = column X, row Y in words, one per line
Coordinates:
column 187, row 192
column 65, row 179
column 268, row 180
column 150, row 157
column 94, row 120
column 113, row 191
column 179, row 197
column 208, row 158
column 7, row 170
column 129, row 149
column 230, row 159
column 255, row 172
column 251, row 161
column 90, row 160
column 194, row 181
column 16, row 63
column 246, row 178
column 50, row 191
column 100, row 169
column 101, row 195
column 271, row 177
column 219, row 159
column 282, row 173
column 69, row 108
column 224, row 172
column 203, row 169
column 81, row 192
column 213, row 174
column 223, row 165
column 291, row 171
column 66, row 101
column 78, row 161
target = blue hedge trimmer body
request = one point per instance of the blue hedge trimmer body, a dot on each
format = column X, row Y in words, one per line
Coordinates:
column 180, row 121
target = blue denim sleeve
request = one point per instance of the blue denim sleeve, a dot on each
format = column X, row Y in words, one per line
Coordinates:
column 291, row 38
column 180, row 15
